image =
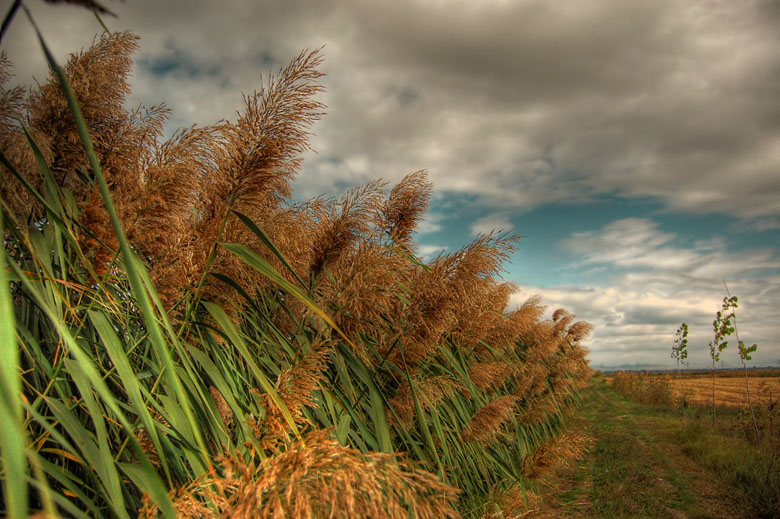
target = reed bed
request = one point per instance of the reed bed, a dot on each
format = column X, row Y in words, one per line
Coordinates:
column 182, row 339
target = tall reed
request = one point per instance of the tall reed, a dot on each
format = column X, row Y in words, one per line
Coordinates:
column 184, row 337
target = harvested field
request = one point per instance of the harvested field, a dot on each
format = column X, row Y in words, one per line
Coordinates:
column 729, row 391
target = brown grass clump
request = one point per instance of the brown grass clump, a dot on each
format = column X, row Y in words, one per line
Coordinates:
column 528, row 315
column 223, row 409
column 644, row 388
column 372, row 289
column 406, row 204
column 486, row 424
column 541, row 408
column 560, row 450
column 579, row 331
column 514, row 502
column 314, row 478
column 507, row 327
column 480, row 298
column 294, row 385
column 488, row 376
column 342, row 223
column 532, row 376
column 430, row 391
column 360, row 290
column 486, row 308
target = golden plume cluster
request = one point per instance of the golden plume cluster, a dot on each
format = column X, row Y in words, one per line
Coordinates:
column 175, row 197
column 561, row 450
column 314, row 477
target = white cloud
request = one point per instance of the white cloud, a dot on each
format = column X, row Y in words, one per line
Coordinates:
column 431, row 222
column 428, row 252
column 639, row 243
column 655, row 285
column 631, row 242
column 491, row 223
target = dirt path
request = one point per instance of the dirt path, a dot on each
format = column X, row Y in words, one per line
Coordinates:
column 635, row 468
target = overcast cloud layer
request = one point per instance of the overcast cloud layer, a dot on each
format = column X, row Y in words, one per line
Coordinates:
column 521, row 105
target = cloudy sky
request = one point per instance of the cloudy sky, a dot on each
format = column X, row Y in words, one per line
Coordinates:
column 635, row 145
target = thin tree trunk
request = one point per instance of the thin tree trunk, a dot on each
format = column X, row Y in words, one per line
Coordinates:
column 750, row 401
column 682, row 389
column 744, row 368
column 713, row 390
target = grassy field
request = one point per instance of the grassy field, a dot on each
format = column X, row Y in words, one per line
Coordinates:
column 729, row 390
column 648, row 461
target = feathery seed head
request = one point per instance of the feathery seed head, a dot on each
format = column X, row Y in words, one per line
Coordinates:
column 485, row 426
column 406, row 204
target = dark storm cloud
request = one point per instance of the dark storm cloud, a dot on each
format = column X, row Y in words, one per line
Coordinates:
column 667, row 315
column 522, row 102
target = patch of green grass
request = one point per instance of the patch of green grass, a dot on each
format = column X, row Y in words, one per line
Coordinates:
column 752, row 473
column 726, row 449
column 633, row 475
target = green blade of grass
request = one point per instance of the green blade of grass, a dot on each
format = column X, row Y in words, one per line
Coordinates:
column 83, row 439
column 62, row 501
column 378, row 403
column 129, row 379
column 95, row 379
column 261, row 265
column 235, row 337
column 220, row 383
column 270, row 244
column 72, row 483
column 342, row 429
column 131, row 262
column 423, row 422
column 12, row 434
column 105, row 467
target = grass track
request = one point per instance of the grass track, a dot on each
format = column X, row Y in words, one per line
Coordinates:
column 635, row 468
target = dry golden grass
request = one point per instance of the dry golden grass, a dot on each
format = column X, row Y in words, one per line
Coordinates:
column 430, row 391
column 562, row 450
column 729, row 391
column 515, row 502
column 487, row 422
column 314, row 477
column 487, row 375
